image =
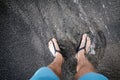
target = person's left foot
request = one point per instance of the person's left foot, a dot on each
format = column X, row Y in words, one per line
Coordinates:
column 85, row 45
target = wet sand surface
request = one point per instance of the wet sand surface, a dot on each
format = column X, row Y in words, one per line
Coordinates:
column 27, row 25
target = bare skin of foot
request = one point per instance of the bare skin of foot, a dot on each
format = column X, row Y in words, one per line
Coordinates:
column 58, row 60
column 83, row 65
column 87, row 48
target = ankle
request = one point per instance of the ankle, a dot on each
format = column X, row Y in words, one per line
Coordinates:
column 59, row 56
column 81, row 51
column 81, row 58
column 80, row 54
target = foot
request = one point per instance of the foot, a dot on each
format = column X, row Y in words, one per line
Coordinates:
column 84, row 47
column 53, row 47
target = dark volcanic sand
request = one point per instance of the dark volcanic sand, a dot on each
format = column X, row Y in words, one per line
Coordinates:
column 27, row 25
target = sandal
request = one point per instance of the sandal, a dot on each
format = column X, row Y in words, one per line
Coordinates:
column 84, row 47
column 52, row 47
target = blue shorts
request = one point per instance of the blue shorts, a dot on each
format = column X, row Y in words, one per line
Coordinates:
column 46, row 73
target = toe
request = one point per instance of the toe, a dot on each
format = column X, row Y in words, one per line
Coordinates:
column 54, row 39
column 83, row 40
column 88, row 44
column 49, row 44
column 56, row 44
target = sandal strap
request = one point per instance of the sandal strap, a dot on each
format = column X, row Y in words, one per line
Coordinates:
column 81, row 49
column 55, row 48
column 58, row 50
column 84, row 46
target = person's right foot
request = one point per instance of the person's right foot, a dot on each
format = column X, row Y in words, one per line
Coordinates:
column 84, row 46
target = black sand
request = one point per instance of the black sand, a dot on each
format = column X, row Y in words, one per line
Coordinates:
column 27, row 25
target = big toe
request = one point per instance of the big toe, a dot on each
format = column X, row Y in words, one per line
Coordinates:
column 83, row 40
column 88, row 44
column 56, row 43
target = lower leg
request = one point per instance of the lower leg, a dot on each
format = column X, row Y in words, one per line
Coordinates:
column 56, row 64
column 83, row 65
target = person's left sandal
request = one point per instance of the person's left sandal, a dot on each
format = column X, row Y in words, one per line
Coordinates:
column 52, row 47
column 84, row 44
column 84, row 47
